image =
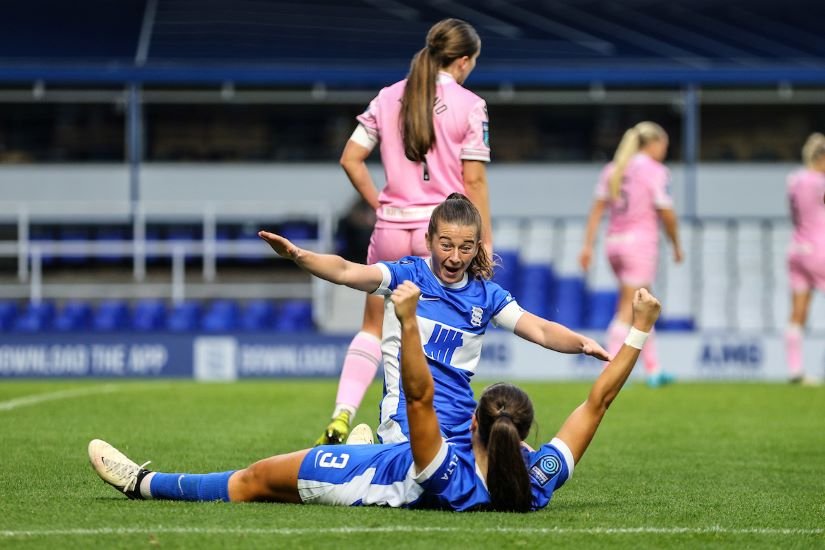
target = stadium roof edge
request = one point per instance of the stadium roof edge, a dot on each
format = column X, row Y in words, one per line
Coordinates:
column 349, row 76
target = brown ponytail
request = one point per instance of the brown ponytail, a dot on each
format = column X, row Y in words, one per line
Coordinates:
column 447, row 41
column 632, row 141
column 505, row 416
column 458, row 209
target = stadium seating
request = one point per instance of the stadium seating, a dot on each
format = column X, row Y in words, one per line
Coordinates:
column 75, row 315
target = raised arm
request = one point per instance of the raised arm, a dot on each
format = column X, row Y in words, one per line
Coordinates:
column 671, row 225
column 417, row 380
column 329, row 267
column 580, row 427
column 593, row 221
column 557, row 337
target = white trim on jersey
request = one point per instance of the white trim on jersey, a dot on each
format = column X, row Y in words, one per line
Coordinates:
column 508, row 316
column 364, row 138
column 361, row 488
column 433, row 466
column 383, row 288
column 566, row 453
column 465, row 280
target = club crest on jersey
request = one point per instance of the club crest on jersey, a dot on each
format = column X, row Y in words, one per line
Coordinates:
column 544, row 470
column 475, row 316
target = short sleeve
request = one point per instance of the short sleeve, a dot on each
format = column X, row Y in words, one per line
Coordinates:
column 661, row 189
column 549, row 468
column 370, row 118
column 396, row 273
column 602, row 191
column 476, row 144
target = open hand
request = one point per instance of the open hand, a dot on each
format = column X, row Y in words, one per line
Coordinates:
column 283, row 247
column 405, row 298
column 593, row 349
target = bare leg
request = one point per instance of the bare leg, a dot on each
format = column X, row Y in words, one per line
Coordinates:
column 273, row 479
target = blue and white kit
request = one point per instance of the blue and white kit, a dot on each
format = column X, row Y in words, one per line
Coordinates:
column 452, row 320
column 385, row 475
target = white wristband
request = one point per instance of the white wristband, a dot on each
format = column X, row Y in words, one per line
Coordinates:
column 636, row 338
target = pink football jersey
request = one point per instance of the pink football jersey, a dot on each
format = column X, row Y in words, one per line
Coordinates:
column 414, row 189
column 805, row 193
column 644, row 190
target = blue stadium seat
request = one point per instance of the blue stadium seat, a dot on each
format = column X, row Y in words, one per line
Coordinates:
column 111, row 315
column 8, row 313
column 248, row 232
column 257, row 315
column 507, row 273
column 570, row 302
column 75, row 315
column 184, row 317
column 222, row 316
column 536, row 289
column 675, row 324
column 149, row 315
column 298, row 230
column 35, row 318
column 294, row 316
column 601, row 306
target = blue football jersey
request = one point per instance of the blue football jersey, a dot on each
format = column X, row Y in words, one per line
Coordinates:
column 384, row 475
column 452, row 320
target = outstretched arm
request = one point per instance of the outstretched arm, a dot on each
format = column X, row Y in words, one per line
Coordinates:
column 329, row 267
column 580, row 427
column 425, row 434
column 557, row 337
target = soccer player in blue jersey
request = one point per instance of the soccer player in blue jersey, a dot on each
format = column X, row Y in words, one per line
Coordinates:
column 492, row 470
column 457, row 305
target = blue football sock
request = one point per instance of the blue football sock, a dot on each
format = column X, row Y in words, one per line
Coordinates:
column 203, row 487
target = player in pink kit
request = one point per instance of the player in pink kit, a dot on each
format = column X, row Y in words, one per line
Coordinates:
column 433, row 137
column 806, row 254
column 634, row 188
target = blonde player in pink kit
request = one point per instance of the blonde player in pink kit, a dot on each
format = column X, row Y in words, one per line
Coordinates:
column 806, row 254
column 433, row 138
column 634, row 187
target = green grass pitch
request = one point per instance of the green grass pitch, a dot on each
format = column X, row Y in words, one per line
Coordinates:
column 691, row 465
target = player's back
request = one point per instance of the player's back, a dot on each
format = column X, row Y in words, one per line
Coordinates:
column 459, row 119
column 643, row 191
column 805, row 192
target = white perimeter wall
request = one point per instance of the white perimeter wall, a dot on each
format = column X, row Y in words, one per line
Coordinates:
column 516, row 190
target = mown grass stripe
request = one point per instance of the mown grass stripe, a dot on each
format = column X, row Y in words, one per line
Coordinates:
column 36, row 399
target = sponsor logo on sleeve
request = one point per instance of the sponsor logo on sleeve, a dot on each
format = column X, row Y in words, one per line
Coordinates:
column 545, row 469
column 485, row 129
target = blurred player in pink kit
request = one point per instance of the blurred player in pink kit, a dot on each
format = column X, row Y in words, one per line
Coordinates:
column 806, row 254
column 433, row 137
column 634, row 188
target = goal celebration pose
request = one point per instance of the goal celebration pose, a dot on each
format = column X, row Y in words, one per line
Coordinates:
column 457, row 307
column 433, row 137
column 492, row 470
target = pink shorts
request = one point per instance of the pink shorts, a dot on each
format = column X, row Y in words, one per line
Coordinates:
column 806, row 268
column 388, row 244
column 634, row 263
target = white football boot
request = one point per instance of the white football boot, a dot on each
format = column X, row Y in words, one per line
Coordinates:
column 360, row 435
column 116, row 469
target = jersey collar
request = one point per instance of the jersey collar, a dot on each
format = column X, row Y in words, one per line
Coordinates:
column 444, row 78
column 460, row 284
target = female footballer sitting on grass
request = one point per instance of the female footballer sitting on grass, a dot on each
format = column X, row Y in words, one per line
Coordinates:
column 458, row 304
column 493, row 470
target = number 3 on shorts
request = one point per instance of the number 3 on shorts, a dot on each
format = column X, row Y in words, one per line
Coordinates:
column 329, row 460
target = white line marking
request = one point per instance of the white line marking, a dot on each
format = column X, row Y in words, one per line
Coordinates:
column 412, row 529
column 38, row 398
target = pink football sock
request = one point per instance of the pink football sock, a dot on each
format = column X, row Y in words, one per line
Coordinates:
column 649, row 355
column 793, row 350
column 360, row 366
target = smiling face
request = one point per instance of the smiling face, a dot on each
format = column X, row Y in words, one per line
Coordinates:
column 453, row 248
